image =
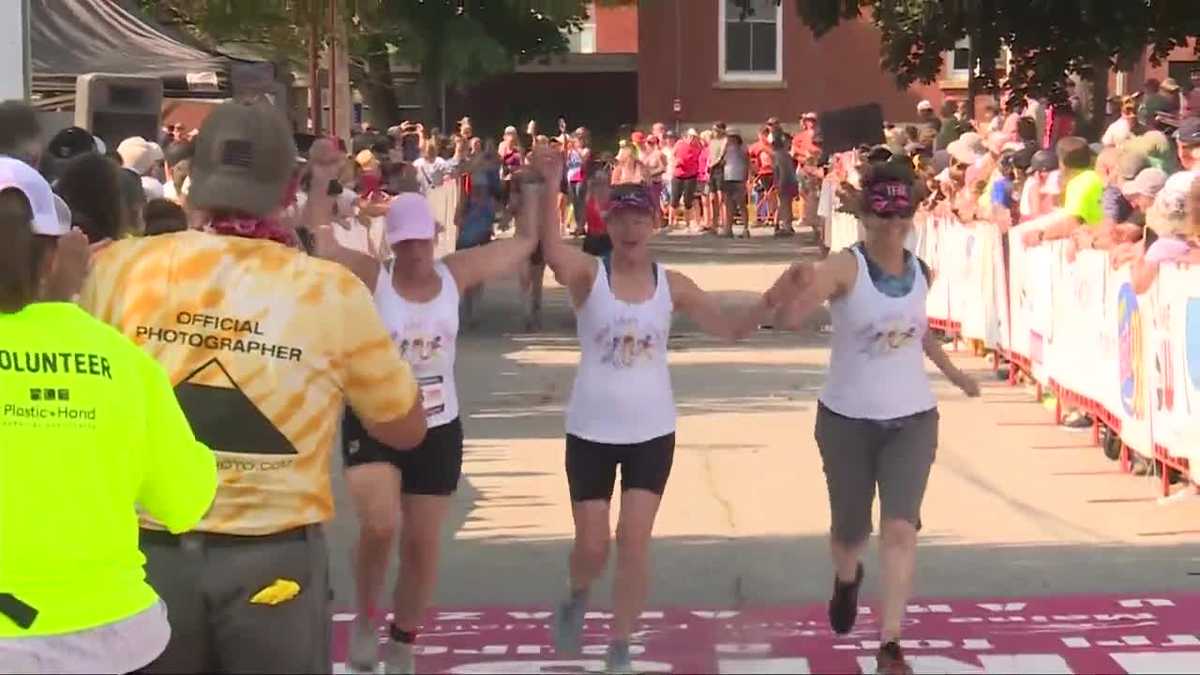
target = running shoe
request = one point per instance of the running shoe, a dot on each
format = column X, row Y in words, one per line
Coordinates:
column 398, row 658
column 364, row 648
column 890, row 660
column 843, row 606
column 1077, row 420
column 618, row 661
column 568, row 627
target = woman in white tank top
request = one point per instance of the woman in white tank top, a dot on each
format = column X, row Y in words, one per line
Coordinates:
column 621, row 412
column 877, row 418
column 418, row 299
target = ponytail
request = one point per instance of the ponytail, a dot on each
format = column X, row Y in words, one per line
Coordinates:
column 21, row 255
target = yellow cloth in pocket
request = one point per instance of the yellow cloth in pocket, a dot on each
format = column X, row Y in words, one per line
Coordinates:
column 278, row 592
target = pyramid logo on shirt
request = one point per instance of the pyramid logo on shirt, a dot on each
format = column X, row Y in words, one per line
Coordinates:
column 224, row 418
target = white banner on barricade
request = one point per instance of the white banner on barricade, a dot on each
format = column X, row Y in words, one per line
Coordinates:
column 1078, row 324
column 929, row 248
column 1131, row 314
column 444, row 202
column 1176, row 375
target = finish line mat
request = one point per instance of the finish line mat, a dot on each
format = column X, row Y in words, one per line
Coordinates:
column 1072, row 634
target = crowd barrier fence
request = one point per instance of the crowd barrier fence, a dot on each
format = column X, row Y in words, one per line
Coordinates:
column 1076, row 328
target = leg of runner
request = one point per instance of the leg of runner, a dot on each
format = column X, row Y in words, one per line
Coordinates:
column 898, row 558
column 589, row 558
column 631, row 584
column 375, row 491
column 420, row 551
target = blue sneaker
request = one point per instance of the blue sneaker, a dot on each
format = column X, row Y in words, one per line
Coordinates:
column 618, row 661
column 568, row 626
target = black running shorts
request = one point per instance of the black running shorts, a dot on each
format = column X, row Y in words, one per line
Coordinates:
column 683, row 192
column 431, row 468
column 592, row 467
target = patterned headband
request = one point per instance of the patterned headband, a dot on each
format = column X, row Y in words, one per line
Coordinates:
column 890, row 199
column 634, row 200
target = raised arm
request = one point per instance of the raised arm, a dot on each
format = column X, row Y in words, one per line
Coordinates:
column 572, row 268
column 475, row 266
column 806, row 286
column 319, row 219
column 703, row 308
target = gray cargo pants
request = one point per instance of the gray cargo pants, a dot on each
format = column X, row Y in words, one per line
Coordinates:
column 207, row 581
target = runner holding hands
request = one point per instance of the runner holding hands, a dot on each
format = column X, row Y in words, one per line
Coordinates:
column 410, row 492
column 622, row 409
column 877, row 420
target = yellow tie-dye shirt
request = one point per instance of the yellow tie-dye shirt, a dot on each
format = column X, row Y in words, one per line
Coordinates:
column 265, row 345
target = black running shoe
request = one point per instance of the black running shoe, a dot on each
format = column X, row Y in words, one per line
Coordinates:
column 843, row 606
column 890, row 660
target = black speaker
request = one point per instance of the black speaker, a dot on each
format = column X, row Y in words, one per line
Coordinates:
column 847, row 128
column 115, row 107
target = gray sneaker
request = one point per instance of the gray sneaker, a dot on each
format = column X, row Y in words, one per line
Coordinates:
column 618, row 661
column 398, row 659
column 364, row 648
column 568, row 627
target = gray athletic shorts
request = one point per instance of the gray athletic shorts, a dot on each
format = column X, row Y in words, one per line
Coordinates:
column 859, row 454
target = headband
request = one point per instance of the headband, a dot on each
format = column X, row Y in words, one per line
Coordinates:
column 890, row 199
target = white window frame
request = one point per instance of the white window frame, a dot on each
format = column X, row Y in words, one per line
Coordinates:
column 953, row 73
column 750, row 76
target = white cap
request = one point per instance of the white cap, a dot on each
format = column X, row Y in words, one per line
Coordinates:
column 63, row 211
column 17, row 174
column 139, row 155
column 508, row 130
column 409, row 216
column 692, row 132
column 924, row 105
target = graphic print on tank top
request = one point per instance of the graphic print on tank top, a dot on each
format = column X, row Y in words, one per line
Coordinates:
column 889, row 334
column 422, row 344
column 625, row 343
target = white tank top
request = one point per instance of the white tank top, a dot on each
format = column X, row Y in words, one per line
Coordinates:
column 877, row 365
column 427, row 334
column 622, row 393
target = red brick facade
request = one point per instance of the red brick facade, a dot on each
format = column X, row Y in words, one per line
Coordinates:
column 616, row 29
column 678, row 52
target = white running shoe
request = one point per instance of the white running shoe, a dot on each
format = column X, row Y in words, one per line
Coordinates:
column 398, row 659
column 364, row 648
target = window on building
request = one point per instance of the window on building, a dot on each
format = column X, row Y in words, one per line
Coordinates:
column 583, row 41
column 750, row 40
column 958, row 61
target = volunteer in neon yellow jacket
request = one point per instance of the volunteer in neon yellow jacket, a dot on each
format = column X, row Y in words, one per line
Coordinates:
column 89, row 427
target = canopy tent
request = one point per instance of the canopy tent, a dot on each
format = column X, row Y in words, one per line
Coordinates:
column 68, row 38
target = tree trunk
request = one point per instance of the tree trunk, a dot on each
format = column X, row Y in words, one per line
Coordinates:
column 1100, row 70
column 378, row 88
column 432, row 83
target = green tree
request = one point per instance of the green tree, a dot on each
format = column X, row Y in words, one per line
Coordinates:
column 1047, row 39
column 452, row 42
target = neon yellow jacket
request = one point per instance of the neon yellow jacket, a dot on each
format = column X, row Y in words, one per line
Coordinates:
column 89, row 427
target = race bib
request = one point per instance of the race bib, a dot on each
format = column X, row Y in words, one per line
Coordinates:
column 434, row 392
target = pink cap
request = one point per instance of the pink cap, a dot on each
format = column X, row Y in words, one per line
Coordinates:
column 409, row 217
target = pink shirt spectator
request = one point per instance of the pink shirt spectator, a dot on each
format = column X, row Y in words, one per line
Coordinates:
column 687, row 159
